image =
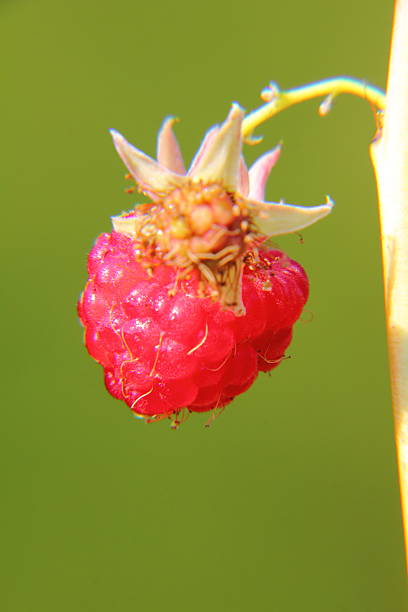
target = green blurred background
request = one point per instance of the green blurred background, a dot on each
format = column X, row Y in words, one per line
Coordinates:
column 289, row 501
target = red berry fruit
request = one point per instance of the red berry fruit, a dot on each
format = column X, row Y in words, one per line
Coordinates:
column 184, row 304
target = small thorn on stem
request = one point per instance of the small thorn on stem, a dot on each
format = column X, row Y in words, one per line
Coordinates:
column 270, row 93
column 326, row 106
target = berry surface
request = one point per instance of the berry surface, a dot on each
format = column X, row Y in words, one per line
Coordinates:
column 164, row 347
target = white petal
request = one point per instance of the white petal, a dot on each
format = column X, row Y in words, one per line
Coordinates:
column 124, row 225
column 153, row 179
column 203, row 147
column 274, row 219
column 243, row 182
column 259, row 173
column 168, row 150
column 219, row 162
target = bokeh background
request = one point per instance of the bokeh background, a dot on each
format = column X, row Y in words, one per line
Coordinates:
column 289, row 501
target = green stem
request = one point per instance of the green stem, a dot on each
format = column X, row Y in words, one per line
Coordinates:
column 277, row 101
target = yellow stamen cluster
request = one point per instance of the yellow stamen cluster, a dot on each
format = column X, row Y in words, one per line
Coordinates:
column 201, row 226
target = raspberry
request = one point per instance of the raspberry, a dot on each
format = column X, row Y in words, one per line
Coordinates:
column 185, row 304
column 164, row 351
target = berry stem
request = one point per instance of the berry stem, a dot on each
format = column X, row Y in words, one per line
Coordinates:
column 277, row 101
column 390, row 158
column 389, row 153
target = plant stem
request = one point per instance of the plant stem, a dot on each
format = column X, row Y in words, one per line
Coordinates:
column 278, row 101
column 389, row 153
column 390, row 159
